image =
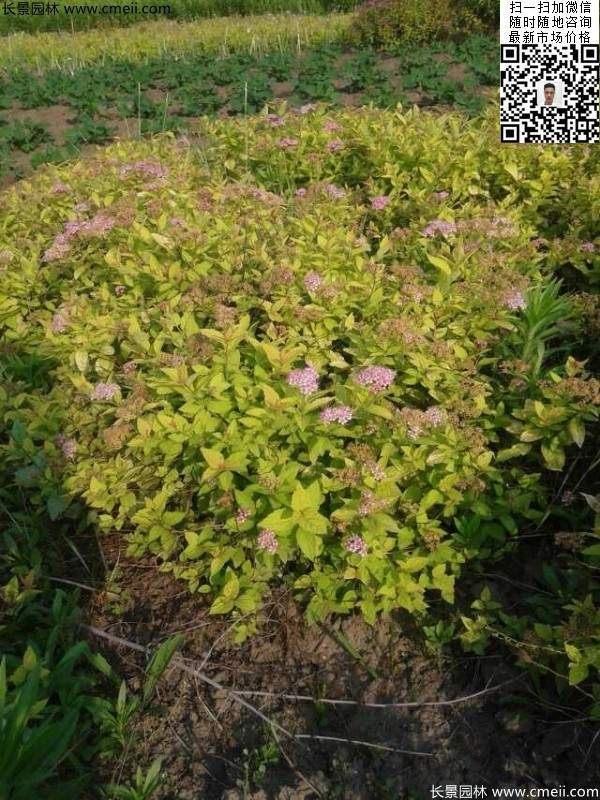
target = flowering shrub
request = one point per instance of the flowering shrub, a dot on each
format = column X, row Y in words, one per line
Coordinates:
column 259, row 370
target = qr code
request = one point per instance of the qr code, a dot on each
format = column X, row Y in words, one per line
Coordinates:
column 549, row 93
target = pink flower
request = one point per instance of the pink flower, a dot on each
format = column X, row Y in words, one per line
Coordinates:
column 380, row 202
column 275, row 121
column 312, row 281
column 287, row 143
column 243, row 515
column 301, row 192
column 59, row 188
column 376, row 379
column 441, row 195
column 104, row 391
column 307, row 108
column 58, row 249
column 335, row 145
column 68, row 446
column 267, row 541
column 434, row 415
column 335, row 191
column 129, row 367
column 356, row 544
column 306, row 380
column 439, row 226
column 341, row 414
column 60, row 322
column 588, row 247
column 177, row 222
column 151, row 169
column 514, row 300
column 120, row 289
column 330, row 126
column 567, row 498
column 376, row 471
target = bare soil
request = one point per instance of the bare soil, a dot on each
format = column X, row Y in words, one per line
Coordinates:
column 213, row 748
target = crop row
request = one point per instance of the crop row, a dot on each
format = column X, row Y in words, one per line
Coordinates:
column 167, row 95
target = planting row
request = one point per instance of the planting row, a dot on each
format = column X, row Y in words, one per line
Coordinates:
column 101, row 102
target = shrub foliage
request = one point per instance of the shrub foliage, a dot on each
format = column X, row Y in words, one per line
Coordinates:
column 322, row 349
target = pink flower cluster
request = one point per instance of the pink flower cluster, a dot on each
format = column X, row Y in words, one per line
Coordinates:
column 104, row 391
column 440, row 226
column 270, row 198
column 301, row 192
column 377, row 379
column 331, row 127
column 306, row 380
column 514, row 300
column 588, row 247
column 243, row 515
column 335, row 191
column 312, row 281
column 120, row 289
column 100, row 224
column 335, row 145
column 275, row 120
column 369, row 504
column 60, row 322
column 376, row 471
column 417, row 422
column 357, row 545
column 59, row 188
column 307, row 108
column 380, row 202
column 68, row 446
column 151, row 169
column 267, row 541
column 434, row 415
column 287, row 143
column 341, row 414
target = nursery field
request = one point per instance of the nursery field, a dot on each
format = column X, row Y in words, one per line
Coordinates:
column 299, row 391
column 53, row 115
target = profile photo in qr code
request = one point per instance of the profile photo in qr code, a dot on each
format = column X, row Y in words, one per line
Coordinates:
column 550, row 92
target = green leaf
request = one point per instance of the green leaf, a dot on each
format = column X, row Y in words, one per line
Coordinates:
column 222, row 605
column 577, row 431
column 307, row 499
column 577, row 673
column 279, row 521
column 56, row 505
column 441, row 263
column 158, row 664
column 81, row 360
column 231, row 589
column 309, row 543
column 213, row 458
column 554, row 456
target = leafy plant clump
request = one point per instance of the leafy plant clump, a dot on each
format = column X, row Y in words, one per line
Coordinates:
column 326, row 351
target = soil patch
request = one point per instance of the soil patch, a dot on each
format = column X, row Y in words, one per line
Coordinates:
column 213, row 748
column 56, row 118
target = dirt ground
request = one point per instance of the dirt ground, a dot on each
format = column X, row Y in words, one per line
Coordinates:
column 214, row 749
